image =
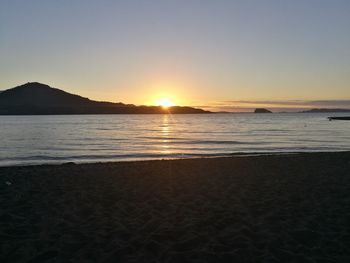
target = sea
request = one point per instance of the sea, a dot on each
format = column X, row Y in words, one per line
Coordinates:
column 57, row 139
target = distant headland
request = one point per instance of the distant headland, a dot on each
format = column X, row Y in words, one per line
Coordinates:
column 35, row 98
column 324, row 110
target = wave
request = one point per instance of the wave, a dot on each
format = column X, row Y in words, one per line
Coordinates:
column 181, row 140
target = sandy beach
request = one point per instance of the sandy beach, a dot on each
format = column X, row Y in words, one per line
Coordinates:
column 277, row 208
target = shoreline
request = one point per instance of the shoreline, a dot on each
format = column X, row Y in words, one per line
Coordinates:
column 204, row 156
column 267, row 208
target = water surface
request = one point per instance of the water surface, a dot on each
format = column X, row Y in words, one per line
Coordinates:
column 93, row 138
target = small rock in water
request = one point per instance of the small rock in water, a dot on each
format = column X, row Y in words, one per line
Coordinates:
column 8, row 183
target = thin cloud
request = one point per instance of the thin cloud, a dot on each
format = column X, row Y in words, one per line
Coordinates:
column 277, row 105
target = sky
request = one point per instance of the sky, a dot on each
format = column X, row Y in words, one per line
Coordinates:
column 220, row 55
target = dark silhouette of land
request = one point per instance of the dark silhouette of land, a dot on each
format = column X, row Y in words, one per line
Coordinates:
column 325, row 110
column 262, row 110
column 34, row 98
column 345, row 118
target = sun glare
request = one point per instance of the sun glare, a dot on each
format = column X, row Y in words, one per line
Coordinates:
column 165, row 103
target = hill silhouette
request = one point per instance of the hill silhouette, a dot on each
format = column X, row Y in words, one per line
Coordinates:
column 34, row 98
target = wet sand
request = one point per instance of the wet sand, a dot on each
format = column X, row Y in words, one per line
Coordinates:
column 287, row 208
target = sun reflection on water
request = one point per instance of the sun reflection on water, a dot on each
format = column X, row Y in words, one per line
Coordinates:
column 165, row 132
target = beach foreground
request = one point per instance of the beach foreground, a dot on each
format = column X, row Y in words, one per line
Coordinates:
column 277, row 208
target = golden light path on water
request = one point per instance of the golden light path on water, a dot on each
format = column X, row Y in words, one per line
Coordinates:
column 165, row 131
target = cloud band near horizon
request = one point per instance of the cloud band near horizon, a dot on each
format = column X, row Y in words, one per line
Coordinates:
column 281, row 105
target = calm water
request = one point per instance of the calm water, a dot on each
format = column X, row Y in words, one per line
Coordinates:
column 58, row 139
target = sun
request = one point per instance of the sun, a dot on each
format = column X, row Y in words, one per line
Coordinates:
column 165, row 102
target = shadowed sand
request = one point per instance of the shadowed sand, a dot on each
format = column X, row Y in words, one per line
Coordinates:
column 287, row 208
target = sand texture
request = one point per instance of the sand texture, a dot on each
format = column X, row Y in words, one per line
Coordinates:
column 288, row 208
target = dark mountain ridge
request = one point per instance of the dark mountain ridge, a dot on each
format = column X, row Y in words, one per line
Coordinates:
column 34, row 98
column 34, row 93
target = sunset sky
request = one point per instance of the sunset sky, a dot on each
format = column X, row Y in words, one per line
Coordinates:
column 217, row 54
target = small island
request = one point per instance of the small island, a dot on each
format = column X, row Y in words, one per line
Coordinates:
column 262, row 110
